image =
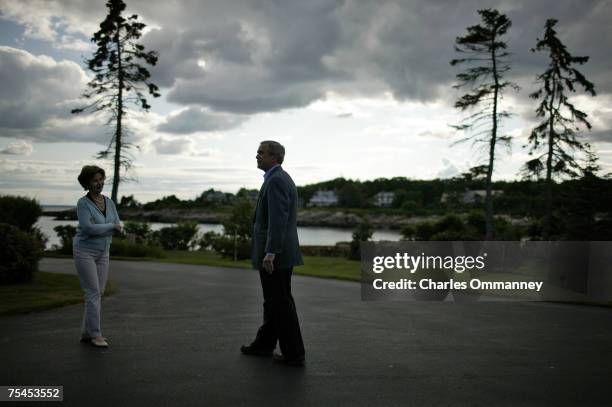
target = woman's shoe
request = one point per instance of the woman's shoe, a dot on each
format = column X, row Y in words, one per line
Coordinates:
column 99, row 342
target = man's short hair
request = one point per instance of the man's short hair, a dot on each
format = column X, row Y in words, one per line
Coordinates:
column 276, row 149
column 87, row 174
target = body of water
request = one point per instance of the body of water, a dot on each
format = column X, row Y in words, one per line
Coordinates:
column 309, row 236
column 57, row 208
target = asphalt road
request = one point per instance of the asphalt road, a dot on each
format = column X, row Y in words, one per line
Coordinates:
column 175, row 333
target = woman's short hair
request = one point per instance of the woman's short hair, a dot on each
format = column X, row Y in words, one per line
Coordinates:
column 275, row 149
column 87, row 174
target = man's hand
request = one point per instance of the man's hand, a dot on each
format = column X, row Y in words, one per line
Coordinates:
column 268, row 263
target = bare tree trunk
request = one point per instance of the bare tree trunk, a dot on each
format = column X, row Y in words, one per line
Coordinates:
column 119, row 130
column 546, row 232
column 489, row 193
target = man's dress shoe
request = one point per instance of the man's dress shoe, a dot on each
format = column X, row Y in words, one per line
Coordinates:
column 254, row 351
column 296, row 361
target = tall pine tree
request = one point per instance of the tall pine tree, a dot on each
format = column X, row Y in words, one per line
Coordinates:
column 560, row 118
column 120, row 79
column 485, row 54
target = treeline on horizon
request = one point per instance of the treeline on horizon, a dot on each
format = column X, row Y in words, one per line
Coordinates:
column 520, row 198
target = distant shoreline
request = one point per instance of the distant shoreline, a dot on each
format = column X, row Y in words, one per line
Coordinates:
column 340, row 218
column 52, row 209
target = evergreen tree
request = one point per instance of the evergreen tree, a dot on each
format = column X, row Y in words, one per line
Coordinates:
column 486, row 55
column 119, row 79
column 560, row 118
column 580, row 200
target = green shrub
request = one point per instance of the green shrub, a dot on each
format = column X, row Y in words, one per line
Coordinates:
column 235, row 242
column 121, row 247
column 410, row 206
column 408, row 232
column 226, row 246
column 424, row 230
column 177, row 237
column 504, row 230
column 453, row 236
column 452, row 228
column 240, row 221
column 19, row 254
column 362, row 233
column 206, row 240
column 140, row 230
column 337, row 250
column 449, row 223
column 40, row 237
column 476, row 220
column 19, row 211
column 66, row 233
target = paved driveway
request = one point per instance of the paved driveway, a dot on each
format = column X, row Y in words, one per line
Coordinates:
column 175, row 333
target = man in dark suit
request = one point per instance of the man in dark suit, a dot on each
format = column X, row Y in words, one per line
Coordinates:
column 276, row 250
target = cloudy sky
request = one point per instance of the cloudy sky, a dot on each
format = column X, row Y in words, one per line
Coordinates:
column 359, row 89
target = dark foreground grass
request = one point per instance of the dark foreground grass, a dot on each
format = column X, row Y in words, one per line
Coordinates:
column 45, row 291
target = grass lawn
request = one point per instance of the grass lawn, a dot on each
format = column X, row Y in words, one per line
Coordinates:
column 324, row 267
column 45, row 291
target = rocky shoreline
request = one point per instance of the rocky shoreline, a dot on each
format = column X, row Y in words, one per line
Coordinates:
column 323, row 218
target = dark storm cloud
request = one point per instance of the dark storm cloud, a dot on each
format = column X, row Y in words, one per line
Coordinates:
column 195, row 119
column 273, row 59
column 268, row 56
column 603, row 136
column 265, row 55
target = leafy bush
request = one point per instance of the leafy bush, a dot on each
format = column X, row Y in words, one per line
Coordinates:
column 240, row 222
column 140, row 230
column 19, row 211
column 504, row 230
column 19, row 254
column 476, row 220
column 177, row 237
column 424, row 230
column 408, row 232
column 66, row 233
column 362, row 233
column 235, row 242
column 40, row 237
column 225, row 245
column 536, row 228
column 122, row 247
column 206, row 240
column 453, row 228
column 340, row 249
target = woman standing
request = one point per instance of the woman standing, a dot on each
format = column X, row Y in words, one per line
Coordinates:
column 98, row 219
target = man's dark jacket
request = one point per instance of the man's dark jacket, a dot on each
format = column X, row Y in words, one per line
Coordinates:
column 275, row 222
